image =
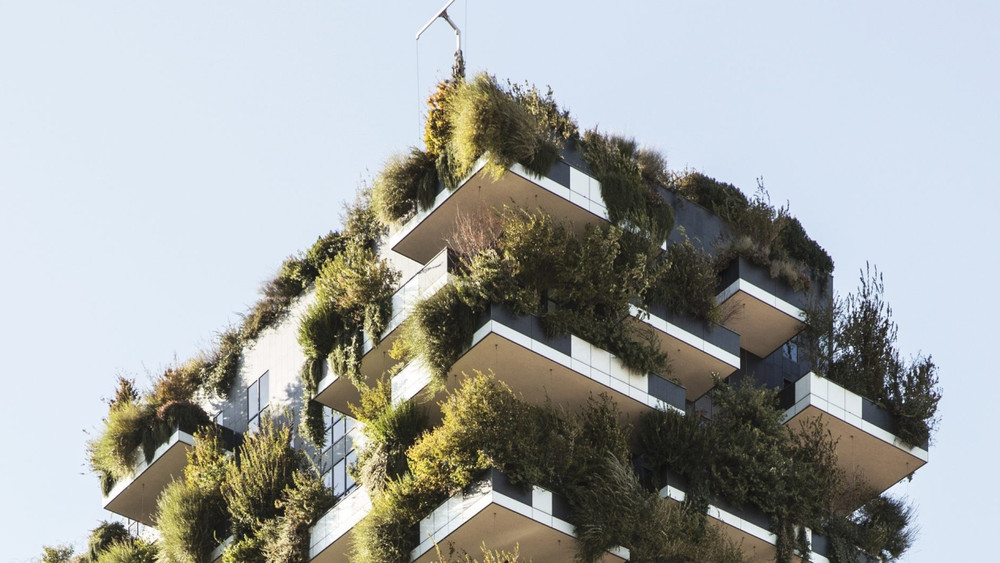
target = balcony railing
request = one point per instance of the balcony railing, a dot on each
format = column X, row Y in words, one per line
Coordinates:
column 564, row 369
column 565, row 192
column 505, row 517
column 746, row 526
column 135, row 497
column 331, row 536
column 867, row 445
column 337, row 392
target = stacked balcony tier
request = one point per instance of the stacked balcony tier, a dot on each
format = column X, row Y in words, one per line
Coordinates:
column 135, row 497
column 867, row 445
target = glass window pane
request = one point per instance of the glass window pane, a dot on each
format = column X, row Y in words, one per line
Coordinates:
column 265, row 389
column 253, row 400
column 338, row 478
column 338, row 430
column 352, row 458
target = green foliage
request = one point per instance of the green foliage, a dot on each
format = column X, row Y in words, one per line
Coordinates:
column 687, row 284
column 124, row 393
column 854, row 343
column 191, row 512
column 439, row 329
column 629, row 180
column 747, row 456
column 880, row 528
column 353, row 297
column 487, row 120
column 405, row 183
column 437, row 128
column 724, row 200
column 104, row 536
column 485, row 425
column 245, row 550
column 225, row 364
column 57, row 554
column 112, row 452
column 553, row 122
column 353, row 293
column 319, row 328
column 313, row 427
column 580, row 285
column 385, row 534
column 266, row 466
column 285, row 539
column 883, row 527
column 765, row 235
column 390, row 430
column 147, row 422
column 614, row 509
column 489, row 555
column 361, row 224
column 134, row 551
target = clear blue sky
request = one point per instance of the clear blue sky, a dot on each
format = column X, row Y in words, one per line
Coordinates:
column 158, row 160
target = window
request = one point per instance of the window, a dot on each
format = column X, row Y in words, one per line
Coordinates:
column 258, row 398
column 339, row 453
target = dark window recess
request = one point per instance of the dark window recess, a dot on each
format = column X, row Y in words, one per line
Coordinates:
column 559, row 173
column 502, row 485
column 666, row 390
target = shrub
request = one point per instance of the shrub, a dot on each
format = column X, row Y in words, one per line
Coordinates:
column 111, row 453
column 132, row 424
column 553, row 122
column 404, row 184
column 319, row 328
column 191, row 512
column 629, row 182
column 135, row 551
column 286, row 538
column 745, row 455
column 104, row 536
column 439, row 328
column 390, row 430
column 687, row 285
column 854, row 342
column 57, row 554
column 614, row 509
column 486, row 120
column 225, row 364
column 266, row 466
column 724, row 200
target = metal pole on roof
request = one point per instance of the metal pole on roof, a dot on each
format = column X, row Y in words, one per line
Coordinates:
column 458, row 70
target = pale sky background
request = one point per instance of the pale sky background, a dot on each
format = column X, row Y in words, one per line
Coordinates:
column 158, row 161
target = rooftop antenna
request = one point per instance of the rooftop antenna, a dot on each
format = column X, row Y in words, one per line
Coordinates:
column 458, row 70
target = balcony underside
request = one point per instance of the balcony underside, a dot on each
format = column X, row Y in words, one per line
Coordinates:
column 878, row 463
column 503, row 529
column 693, row 367
column 136, row 498
column 501, row 516
column 430, row 232
column 763, row 324
column 337, row 391
column 757, row 543
column 536, row 378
